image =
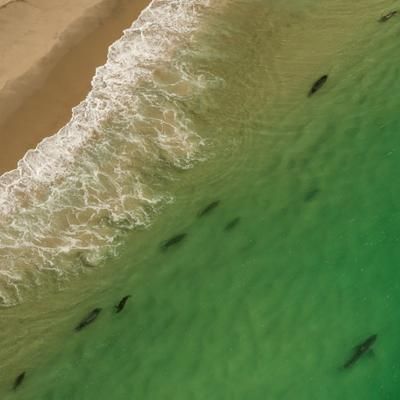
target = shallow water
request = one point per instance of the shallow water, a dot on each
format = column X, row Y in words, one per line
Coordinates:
column 272, row 307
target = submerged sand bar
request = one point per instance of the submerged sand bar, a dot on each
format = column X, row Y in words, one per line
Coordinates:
column 49, row 50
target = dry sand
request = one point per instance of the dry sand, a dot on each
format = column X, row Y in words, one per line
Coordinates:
column 49, row 50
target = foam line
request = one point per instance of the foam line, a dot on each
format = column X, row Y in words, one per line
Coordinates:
column 71, row 198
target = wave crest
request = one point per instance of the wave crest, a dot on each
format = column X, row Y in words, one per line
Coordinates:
column 68, row 202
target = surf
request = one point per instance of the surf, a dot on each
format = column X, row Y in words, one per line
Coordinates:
column 68, row 204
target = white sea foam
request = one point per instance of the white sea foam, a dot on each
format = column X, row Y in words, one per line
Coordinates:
column 66, row 204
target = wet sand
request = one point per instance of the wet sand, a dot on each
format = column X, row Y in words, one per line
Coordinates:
column 49, row 52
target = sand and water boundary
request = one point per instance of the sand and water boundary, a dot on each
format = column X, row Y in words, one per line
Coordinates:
column 47, row 63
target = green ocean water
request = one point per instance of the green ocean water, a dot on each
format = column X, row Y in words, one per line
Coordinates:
column 272, row 307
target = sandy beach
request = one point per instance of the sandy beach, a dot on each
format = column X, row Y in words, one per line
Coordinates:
column 49, row 51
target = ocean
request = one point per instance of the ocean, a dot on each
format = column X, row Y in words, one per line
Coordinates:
column 254, row 227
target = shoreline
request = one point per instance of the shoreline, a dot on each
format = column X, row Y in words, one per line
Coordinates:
column 44, row 311
column 39, row 102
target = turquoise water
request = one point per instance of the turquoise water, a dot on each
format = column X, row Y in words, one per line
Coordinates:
column 272, row 307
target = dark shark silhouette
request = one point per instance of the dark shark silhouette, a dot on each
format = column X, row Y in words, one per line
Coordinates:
column 360, row 350
column 318, row 85
column 387, row 16
column 91, row 317
column 173, row 241
column 120, row 306
column 231, row 224
column 18, row 380
column 206, row 210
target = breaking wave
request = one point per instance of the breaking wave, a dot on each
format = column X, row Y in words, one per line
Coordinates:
column 71, row 199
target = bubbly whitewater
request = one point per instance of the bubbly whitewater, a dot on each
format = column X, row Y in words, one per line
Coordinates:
column 294, row 264
column 65, row 206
